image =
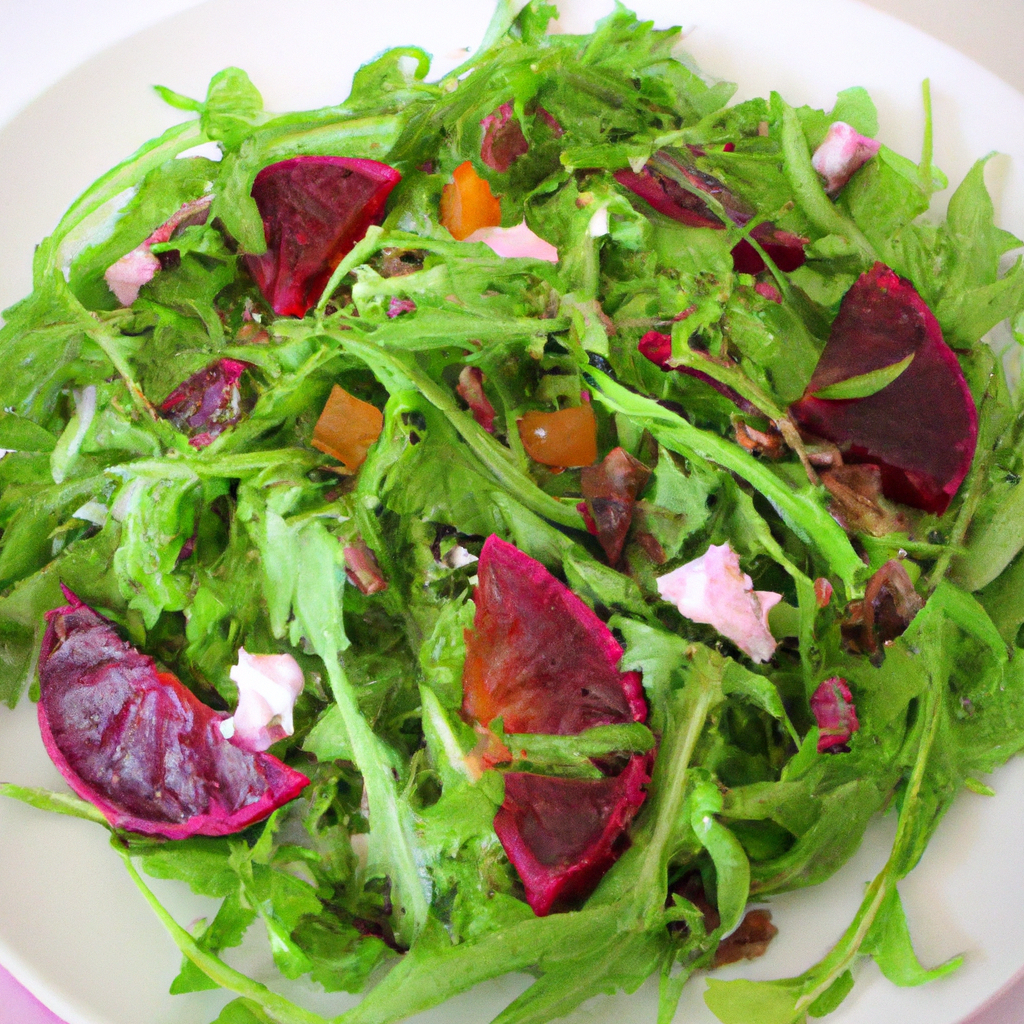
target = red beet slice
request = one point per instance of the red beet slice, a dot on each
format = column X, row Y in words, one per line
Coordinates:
column 540, row 659
column 503, row 141
column 656, row 185
column 208, row 402
column 658, row 348
column 562, row 835
column 140, row 746
column 921, row 430
column 610, row 490
column 314, row 210
column 537, row 656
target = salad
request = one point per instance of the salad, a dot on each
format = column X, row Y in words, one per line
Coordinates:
column 514, row 523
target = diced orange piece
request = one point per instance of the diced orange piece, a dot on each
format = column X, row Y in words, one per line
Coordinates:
column 467, row 203
column 346, row 428
column 566, row 438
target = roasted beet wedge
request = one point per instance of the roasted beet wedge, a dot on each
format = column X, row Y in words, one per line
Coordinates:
column 314, row 210
column 537, row 656
column 920, row 430
column 543, row 662
column 562, row 835
column 140, row 746
column 658, row 183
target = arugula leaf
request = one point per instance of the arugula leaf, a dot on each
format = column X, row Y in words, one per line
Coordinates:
column 866, row 383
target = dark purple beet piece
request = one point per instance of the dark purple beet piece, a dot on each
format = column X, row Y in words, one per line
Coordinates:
column 208, row 402
column 920, row 430
column 562, row 835
column 314, row 210
column 503, row 141
column 610, row 490
column 537, row 656
column 542, row 661
column 660, row 190
column 832, row 706
column 658, row 348
column 140, row 746
column 785, row 249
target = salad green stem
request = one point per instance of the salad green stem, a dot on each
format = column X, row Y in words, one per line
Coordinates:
column 974, row 491
column 806, row 184
column 799, row 508
column 386, row 810
column 105, row 190
column 702, row 692
column 498, row 460
column 895, row 868
column 282, row 1010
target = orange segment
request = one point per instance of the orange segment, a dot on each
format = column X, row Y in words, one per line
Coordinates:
column 467, row 204
column 566, row 438
column 346, row 428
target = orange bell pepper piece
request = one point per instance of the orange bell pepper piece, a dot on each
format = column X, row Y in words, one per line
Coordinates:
column 566, row 438
column 346, row 428
column 467, row 204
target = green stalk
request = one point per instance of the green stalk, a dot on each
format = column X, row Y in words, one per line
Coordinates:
column 598, row 741
column 973, row 493
column 362, row 251
column 848, row 947
column 125, row 175
column 496, row 459
column 927, row 174
column 371, row 758
column 283, row 1011
column 731, row 376
column 800, row 510
column 803, row 178
column 703, row 691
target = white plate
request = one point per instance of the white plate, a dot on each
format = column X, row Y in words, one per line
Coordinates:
column 72, row 927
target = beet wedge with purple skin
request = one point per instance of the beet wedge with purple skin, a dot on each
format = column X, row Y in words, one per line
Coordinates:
column 138, row 745
column 542, row 661
column 922, row 428
column 314, row 209
column 562, row 835
column 537, row 656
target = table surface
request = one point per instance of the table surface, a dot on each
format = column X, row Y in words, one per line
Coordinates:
column 43, row 41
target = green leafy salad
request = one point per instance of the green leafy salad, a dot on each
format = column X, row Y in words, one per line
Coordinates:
column 517, row 523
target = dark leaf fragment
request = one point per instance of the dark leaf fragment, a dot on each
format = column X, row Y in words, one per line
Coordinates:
column 610, row 490
column 208, row 402
column 890, row 603
column 857, row 500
